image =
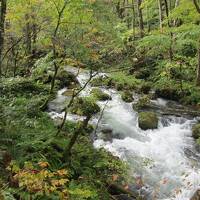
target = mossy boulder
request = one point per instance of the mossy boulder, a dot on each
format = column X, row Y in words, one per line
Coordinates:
column 66, row 79
column 147, row 120
column 100, row 95
column 145, row 87
column 196, row 131
column 143, row 103
column 127, row 96
column 85, row 106
column 102, row 81
column 168, row 93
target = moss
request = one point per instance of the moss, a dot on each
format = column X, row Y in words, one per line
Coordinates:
column 127, row 96
column 102, row 82
column 22, row 86
column 66, row 79
column 196, row 131
column 123, row 81
column 100, row 95
column 142, row 103
column 147, row 120
column 145, row 87
column 85, row 106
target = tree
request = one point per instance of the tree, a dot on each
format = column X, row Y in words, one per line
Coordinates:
column 2, row 30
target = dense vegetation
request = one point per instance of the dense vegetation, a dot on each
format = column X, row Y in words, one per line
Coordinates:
column 142, row 45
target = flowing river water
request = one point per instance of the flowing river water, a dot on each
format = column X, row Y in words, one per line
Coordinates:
column 165, row 158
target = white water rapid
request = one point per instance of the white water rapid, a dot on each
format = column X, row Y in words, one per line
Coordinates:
column 165, row 158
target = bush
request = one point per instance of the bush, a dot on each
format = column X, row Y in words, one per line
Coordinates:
column 21, row 86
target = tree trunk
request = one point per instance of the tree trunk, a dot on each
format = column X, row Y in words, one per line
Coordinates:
column 196, row 5
column 171, row 34
column 140, row 18
column 160, row 14
column 198, row 67
column 133, row 19
column 2, row 24
column 67, row 151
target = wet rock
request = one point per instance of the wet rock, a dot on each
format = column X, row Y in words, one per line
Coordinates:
column 148, row 120
column 66, row 79
column 142, row 104
column 68, row 92
column 196, row 131
column 127, row 96
column 107, row 134
column 196, row 195
column 168, row 93
column 145, row 88
column 100, row 95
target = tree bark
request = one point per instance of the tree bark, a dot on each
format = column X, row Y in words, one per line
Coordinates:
column 67, row 151
column 140, row 16
column 2, row 30
column 198, row 67
column 196, row 5
column 160, row 14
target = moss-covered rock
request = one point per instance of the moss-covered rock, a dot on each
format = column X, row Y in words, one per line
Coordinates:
column 127, row 96
column 85, row 106
column 66, row 79
column 147, row 120
column 102, row 81
column 100, row 95
column 145, row 88
column 196, row 131
column 168, row 93
column 143, row 103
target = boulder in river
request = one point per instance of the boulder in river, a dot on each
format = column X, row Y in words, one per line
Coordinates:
column 196, row 131
column 67, row 79
column 107, row 134
column 127, row 96
column 85, row 106
column 100, row 95
column 148, row 120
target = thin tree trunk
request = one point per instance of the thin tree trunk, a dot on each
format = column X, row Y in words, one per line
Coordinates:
column 67, row 151
column 160, row 14
column 171, row 34
column 2, row 28
column 196, row 5
column 198, row 67
column 133, row 19
column 140, row 18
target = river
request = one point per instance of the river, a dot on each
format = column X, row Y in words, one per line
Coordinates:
column 165, row 158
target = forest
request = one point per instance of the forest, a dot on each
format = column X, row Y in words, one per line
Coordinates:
column 99, row 99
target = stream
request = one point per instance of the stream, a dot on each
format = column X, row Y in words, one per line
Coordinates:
column 164, row 159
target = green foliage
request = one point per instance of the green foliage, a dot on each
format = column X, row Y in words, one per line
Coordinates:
column 21, row 86
column 123, row 81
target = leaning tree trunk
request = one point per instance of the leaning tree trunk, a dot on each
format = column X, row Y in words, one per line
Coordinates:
column 2, row 24
column 140, row 17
